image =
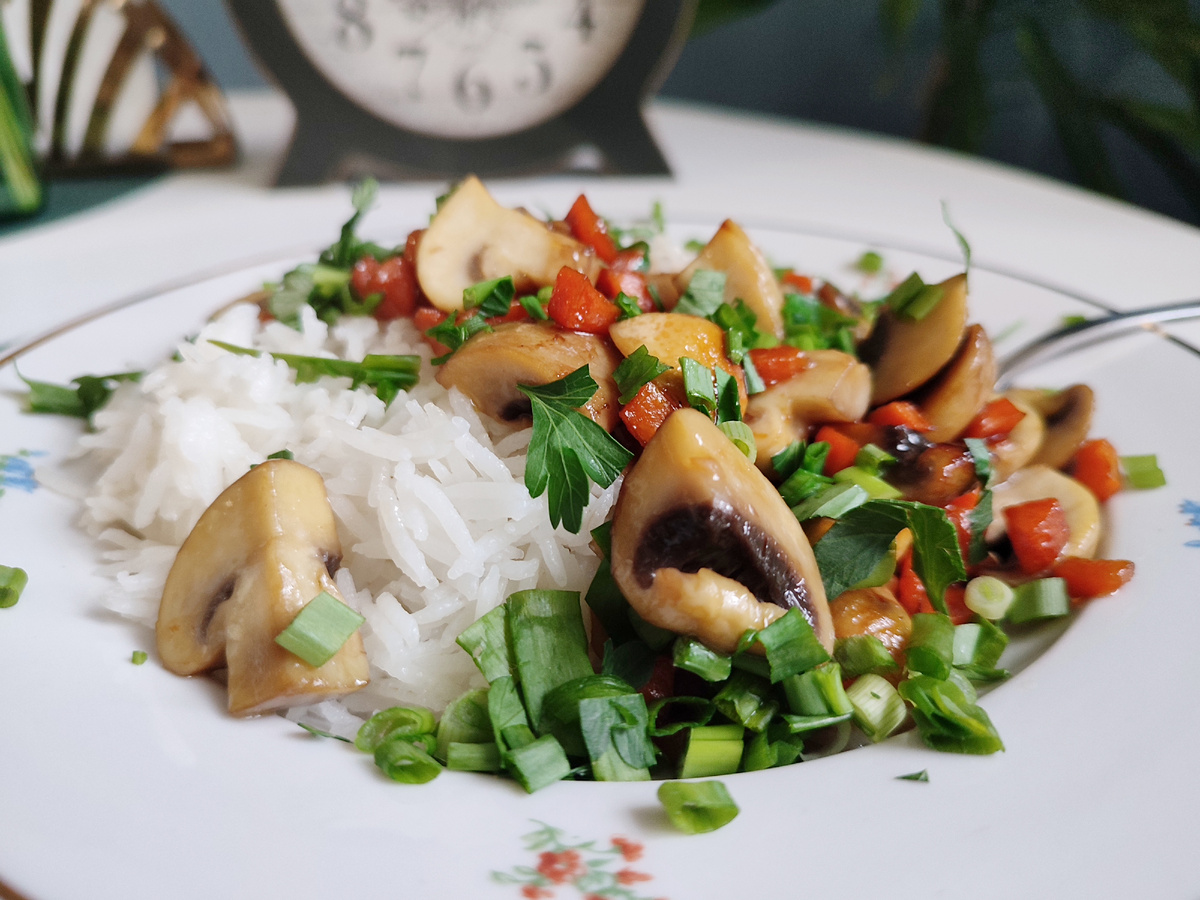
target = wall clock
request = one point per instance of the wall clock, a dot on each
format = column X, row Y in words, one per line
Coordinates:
column 442, row 88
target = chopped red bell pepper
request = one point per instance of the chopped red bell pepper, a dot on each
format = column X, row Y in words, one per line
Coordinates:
column 1097, row 465
column 842, row 449
column 911, row 590
column 900, row 414
column 959, row 512
column 793, row 279
column 394, row 278
column 996, row 419
column 611, row 282
column 1090, row 578
column 647, row 410
column 778, row 364
column 426, row 317
column 1038, row 531
column 577, row 306
column 589, row 228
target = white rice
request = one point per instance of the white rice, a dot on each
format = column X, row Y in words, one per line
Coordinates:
column 436, row 525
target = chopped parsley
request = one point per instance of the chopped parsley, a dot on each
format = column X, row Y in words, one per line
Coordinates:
column 89, row 394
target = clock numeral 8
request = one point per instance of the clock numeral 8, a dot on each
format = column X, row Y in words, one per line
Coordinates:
column 354, row 33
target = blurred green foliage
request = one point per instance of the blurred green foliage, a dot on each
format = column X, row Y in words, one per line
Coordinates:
column 959, row 94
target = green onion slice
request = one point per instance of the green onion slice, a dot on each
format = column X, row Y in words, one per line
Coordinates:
column 402, row 760
column 319, row 629
column 697, row 807
column 398, row 721
column 12, row 584
column 1142, row 472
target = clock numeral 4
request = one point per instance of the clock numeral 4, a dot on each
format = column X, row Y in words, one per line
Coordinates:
column 583, row 19
column 354, row 33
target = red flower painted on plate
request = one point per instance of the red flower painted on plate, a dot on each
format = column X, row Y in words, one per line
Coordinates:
column 561, row 867
column 630, row 850
column 628, row 876
column 533, row 892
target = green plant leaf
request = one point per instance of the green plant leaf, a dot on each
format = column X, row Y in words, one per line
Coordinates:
column 1170, row 136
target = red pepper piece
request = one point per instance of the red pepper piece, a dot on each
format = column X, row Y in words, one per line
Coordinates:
column 995, row 420
column 1038, row 532
column 1090, row 578
column 577, row 306
column 647, row 410
column 611, row 282
column 842, row 449
column 589, row 228
column 778, row 364
column 900, row 414
column 1096, row 465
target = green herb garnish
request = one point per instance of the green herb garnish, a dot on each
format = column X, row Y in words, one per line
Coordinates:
column 89, row 394
column 319, row 630
column 637, row 370
column 567, row 448
column 12, row 583
column 697, row 807
column 138, row 657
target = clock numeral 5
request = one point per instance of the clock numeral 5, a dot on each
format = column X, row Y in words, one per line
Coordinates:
column 354, row 33
column 538, row 74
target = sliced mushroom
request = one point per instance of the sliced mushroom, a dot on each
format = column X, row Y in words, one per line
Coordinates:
column 875, row 612
column 264, row 548
column 904, row 354
column 702, row 544
column 748, row 275
column 671, row 336
column 956, row 395
column 1020, row 446
column 1068, row 415
column 473, row 238
column 935, row 475
column 489, row 366
column 834, row 388
column 1080, row 505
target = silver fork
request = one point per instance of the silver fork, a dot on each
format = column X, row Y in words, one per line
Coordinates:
column 1073, row 338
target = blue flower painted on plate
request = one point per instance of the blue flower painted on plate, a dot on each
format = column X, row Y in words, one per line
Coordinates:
column 1191, row 508
column 16, row 471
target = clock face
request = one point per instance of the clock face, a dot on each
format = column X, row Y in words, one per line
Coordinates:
column 463, row 68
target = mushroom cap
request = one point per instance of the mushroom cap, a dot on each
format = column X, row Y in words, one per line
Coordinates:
column 1039, row 482
column 489, row 366
column 260, row 552
column 702, row 543
column 904, row 354
column 952, row 399
column 1068, row 416
column 834, row 388
column 1020, row 446
column 473, row 238
column 748, row 275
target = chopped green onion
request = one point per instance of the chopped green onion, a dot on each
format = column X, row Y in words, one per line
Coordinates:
column 698, row 385
column 320, row 629
column 712, row 750
column 978, row 645
column 615, row 731
column 870, row 263
column 697, row 807
column 701, row 718
column 549, row 643
column 1045, row 598
column 729, row 401
column 633, row 661
column 12, row 584
column 538, row 764
column 923, row 775
column 747, row 700
column 981, row 455
column 654, row 637
column 398, row 721
column 876, row 487
column 861, row 654
column 535, row 307
column 402, row 760
column 802, row 484
column 90, row 393
column 947, row 717
column 931, row 645
column 791, row 646
column 815, row 455
column 878, row 709
column 138, row 657
column 561, row 708
column 1142, row 472
column 486, row 640
column 466, row 757
column 465, row 721
column 833, row 502
column 803, row 724
column 694, row 657
column 492, row 298
column 872, row 459
column 742, row 436
column 505, row 710
column 818, row 692
column 903, row 293
column 789, row 459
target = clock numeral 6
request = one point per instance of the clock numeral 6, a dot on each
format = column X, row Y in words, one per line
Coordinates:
column 472, row 91
column 353, row 32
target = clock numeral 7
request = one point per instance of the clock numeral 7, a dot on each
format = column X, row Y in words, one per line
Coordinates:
column 412, row 63
column 354, row 32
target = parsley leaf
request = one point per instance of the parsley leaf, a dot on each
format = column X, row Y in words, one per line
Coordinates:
column 637, row 370
column 386, row 375
column 453, row 333
column 567, row 448
column 493, row 298
column 704, row 294
column 89, row 394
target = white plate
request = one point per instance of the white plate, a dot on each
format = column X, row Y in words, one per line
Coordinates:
column 125, row 781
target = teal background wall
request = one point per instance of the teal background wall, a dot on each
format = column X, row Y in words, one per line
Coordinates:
column 826, row 61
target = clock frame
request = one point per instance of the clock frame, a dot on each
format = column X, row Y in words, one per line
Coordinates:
column 603, row 132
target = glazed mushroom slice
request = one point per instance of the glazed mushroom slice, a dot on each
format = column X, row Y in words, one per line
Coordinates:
column 748, row 275
column 473, row 238
column 489, row 366
column 834, row 388
column 876, row 612
column 702, row 544
column 1068, row 415
column 956, row 395
column 904, row 354
column 1080, row 505
column 264, row 548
